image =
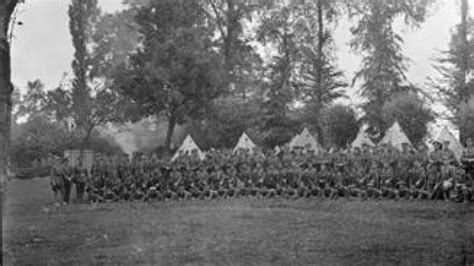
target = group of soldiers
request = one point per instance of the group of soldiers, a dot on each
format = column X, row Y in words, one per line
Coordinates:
column 366, row 172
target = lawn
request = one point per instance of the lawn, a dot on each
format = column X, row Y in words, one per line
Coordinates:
column 239, row 231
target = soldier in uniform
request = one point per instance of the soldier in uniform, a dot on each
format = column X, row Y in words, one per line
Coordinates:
column 373, row 181
column 56, row 182
column 463, row 182
column 67, row 176
column 324, row 179
column 387, row 182
column 419, row 176
column 79, row 180
column 468, row 157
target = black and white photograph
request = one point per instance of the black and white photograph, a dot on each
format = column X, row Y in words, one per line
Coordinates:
column 237, row 132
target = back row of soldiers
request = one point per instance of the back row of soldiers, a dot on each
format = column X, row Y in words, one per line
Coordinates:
column 380, row 172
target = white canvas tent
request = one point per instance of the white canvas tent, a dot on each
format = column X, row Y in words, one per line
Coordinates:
column 362, row 138
column 454, row 145
column 245, row 143
column 188, row 146
column 305, row 139
column 395, row 136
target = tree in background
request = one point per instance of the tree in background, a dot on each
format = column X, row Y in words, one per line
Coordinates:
column 277, row 29
column 33, row 101
column 114, row 38
column 241, row 61
column 466, row 119
column 39, row 137
column 319, row 80
column 339, row 124
column 411, row 113
column 456, row 86
column 91, row 103
column 228, row 118
column 176, row 72
column 384, row 66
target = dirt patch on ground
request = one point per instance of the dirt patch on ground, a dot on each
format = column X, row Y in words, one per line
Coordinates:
column 239, row 231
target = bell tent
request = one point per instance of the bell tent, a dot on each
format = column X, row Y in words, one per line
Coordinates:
column 245, row 143
column 395, row 136
column 361, row 139
column 188, row 146
column 305, row 139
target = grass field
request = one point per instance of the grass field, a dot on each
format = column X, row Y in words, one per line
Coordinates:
column 239, row 231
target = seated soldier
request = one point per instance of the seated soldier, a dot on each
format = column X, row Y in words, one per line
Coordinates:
column 324, row 179
column 311, row 181
column 420, row 178
column 372, row 181
column 402, row 177
column 340, row 188
column 462, row 184
column 387, row 181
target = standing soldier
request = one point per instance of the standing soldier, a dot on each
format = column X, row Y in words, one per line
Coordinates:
column 56, row 182
column 79, row 180
column 468, row 157
column 67, row 176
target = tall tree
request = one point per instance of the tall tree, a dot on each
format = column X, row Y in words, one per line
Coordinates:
column 6, row 87
column 319, row 80
column 114, row 38
column 277, row 29
column 383, row 66
column 229, row 17
column 456, row 65
column 176, row 72
column 319, row 77
column 92, row 103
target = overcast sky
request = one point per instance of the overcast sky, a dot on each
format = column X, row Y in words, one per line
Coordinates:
column 42, row 48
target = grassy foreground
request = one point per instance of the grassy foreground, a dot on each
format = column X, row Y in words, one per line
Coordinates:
column 238, row 231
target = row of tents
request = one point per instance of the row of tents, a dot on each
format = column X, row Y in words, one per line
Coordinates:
column 394, row 137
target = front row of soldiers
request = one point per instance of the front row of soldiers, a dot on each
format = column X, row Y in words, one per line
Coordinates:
column 368, row 173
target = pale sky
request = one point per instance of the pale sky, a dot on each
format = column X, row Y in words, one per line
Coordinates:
column 42, row 48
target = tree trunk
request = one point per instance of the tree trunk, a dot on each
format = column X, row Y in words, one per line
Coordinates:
column 6, row 87
column 319, row 73
column 464, row 64
column 169, row 132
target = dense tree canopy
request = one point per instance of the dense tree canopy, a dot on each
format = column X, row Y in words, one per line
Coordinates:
column 411, row 113
column 384, row 66
column 223, row 67
column 176, row 72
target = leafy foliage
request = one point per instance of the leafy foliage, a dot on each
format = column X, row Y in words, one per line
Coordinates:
column 339, row 125
column 90, row 104
column 411, row 113
column 466, row 119
column 39, row 137
column 176, row 72
column 456, row 85
column 383, row 65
